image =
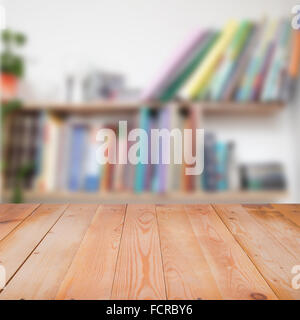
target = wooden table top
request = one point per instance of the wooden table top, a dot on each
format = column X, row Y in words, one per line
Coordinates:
column 93, row 251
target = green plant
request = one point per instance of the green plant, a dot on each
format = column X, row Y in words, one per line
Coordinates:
column 23, row 172
column 10, row 62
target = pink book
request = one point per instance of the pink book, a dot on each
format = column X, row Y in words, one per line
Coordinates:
column 170, row 69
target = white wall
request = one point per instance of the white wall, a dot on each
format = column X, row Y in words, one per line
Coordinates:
column 132, row 36
column 136, row 37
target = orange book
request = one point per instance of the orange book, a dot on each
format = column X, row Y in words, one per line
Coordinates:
column 295, row 55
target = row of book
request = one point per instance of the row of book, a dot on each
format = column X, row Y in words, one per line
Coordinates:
column 246, row 61
column 62, row 152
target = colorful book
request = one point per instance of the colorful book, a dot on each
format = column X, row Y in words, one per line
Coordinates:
column 192, row 64
column 221, row 165
column 78, row 151
column 270, row 91
column 266, row 63
column 171, row 68
column 239, row 68
column 140, row 180
column 205, row 69
column 92, row 167
column 164, row 148
column 222, row 75
column 255, row 65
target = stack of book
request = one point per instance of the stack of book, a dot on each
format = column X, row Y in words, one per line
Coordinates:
column 244, row 62
column 64, row 153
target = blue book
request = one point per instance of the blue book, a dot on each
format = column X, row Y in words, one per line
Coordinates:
column 221, row 165
column 209, row 176
column 78, row 140
column 164, row 123
column 92, row 167
column 140, row 172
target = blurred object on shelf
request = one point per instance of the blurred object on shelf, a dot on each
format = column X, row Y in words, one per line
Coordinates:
column 102, row 86
column 98, row 86
column 263, row 176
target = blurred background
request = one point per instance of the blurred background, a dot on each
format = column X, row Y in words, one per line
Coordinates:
column 69, row 68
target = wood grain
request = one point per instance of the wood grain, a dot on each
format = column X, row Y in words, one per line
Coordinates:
column 285, row 230
column 187, row 273
column 18, row 245
column 263, row 246
column 13, row 214
column 43, row 272
column 235, row 274
column 149, row 252
column 139, row 272
column 290, row 211
column 92, row 271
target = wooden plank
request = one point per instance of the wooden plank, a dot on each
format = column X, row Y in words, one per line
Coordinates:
column 43, row 272
column 187, row 273
column 92, row 271
column 13, row 214
column 290, row 211
column 235, row 274
column 285, row 231
column 264, row 246
column 17, row 246
column 139, row 272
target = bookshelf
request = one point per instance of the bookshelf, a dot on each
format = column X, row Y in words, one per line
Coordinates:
column 105, row 107
column 208, row 108
column 174, row 197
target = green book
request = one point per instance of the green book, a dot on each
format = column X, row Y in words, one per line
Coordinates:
column 223, row 73
column 174, row 86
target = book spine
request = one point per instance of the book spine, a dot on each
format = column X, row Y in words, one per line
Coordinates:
column 204, row 71
column 141, row 167
column 230, row 59
column 77, row 157
column 181, row 55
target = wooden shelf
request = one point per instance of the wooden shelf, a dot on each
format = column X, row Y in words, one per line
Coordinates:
column 232, row 108
column 175, row 197
column 209, row 108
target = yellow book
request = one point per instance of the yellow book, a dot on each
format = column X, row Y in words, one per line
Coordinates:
column 202, row 74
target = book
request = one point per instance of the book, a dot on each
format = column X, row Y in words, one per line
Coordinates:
column 170, row 69
column 239, row 68
column 191, row 65
column 263, row 176
column 205, row 69
column 52, row 162
column 76, row 160
column 92, row 168
column 266, row 62
column 289, row 87
column 256, row 62
column 221, row 165
column 209, row 176
column 272, row 84
column 143, row 147
column 222, row 75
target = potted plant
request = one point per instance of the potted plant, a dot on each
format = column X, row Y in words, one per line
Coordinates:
column 12, row 64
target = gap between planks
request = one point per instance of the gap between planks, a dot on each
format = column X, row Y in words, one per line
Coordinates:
column 37, row 214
